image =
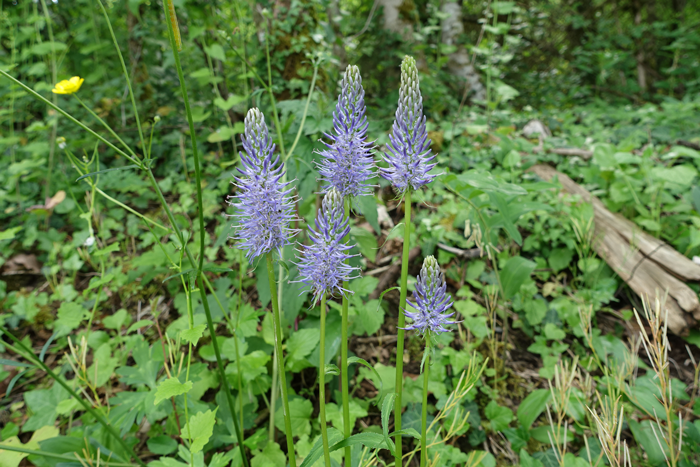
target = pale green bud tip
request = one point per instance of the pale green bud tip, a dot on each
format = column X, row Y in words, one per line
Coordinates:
column 332, row 201
column 352, row 74
column 156, row 119
column 255, row 122
column 430, row 268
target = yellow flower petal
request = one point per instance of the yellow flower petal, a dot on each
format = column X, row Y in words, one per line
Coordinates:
column 68, row 86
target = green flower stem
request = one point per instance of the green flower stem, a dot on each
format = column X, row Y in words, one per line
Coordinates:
column 66, row 457
column 126, row 74
column 202, row 235
column 424, row 407
column 322, row 383
column 88, row 408
column 280, row 360
column 132, row 211
column 107, row 127
column 70, row 117
column 347, row 429
column 402, row 322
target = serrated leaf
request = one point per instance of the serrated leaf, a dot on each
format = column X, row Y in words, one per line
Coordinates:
column 193, row 335
column 202, row 427
column 171, row 387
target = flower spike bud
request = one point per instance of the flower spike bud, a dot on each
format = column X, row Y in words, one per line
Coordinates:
column 347, row 162
column 431, row 301
column 265, row 204
column 409, row 156
column 322, row 266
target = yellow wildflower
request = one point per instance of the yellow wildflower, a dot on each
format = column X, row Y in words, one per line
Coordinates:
column 68, row 86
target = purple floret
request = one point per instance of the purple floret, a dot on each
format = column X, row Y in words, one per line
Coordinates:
column 347, row 162
column 264, row 203
column 322, row 266
column 431, row 301
column 409, row 156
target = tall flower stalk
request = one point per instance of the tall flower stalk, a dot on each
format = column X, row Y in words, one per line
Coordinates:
column 324, row 269
column 265, row 211
column 430, row 318
column 409, row 160
column 346, row 167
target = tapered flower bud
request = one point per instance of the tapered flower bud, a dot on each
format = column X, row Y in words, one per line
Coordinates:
column 322, row 265
column 409, row 155
column 265, row 204
column 347, row 162
column 431, row 302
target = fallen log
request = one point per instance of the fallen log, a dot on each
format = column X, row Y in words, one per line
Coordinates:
column 648, row 265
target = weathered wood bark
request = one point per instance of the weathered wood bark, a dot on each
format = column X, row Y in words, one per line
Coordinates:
column 648, row 265
column 459, row 63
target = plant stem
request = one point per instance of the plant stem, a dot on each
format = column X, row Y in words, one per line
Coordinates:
column 424, row 407
column 88, row 408
column 126, row 74
column 202, row 235
column 67, row 457
column 402, row 323
column 322, row 383
column 347, row 429
column 54, row 76
column 280, row 360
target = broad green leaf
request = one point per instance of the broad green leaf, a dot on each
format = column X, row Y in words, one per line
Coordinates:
column 300, row 413
column 171, row 387
column 532, row 406
column 560, row 258
column 499, row 416
column 70, row 315
column 193, row 335
column 367, row 206
column 42, row 404
column 528, row 461
column 515, row 272
column 366, row 242
column 301, row 344
column 216, row 52
column 334, row 436
column 201, row 427
column 162, row 445
column 363, row 285
column 228, row 103
column 117, row 320
column 12, row 458
column 644, row 435
column 9, row 234
column 552, row 332
column 270, row 456
column 371, row 315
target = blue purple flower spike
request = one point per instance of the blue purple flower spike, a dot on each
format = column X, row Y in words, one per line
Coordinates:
column 322, row 266
column 409, row 155
column 264, row 202
column 347, row 162
column 431, row 301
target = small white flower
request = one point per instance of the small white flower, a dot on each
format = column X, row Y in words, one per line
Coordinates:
column 696, row 259
column 89, row 241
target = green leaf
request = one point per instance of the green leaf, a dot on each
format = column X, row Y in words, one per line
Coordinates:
column 371, row 315
column 515, row 272
column 9, row 234
column 44, row 48
column 334, row 436
column 371, row 440
column 528, row 461
column 216, row 52
column 232, row 100
column 270, row 456
column 532, row 406
column 193, row 335
column 70, row 315
column 117, row 320
column 301, row 344
column 560, row 258
column 367, row 206
column 202, row 427
column 387, row 407
column 42, row 403
column 300, row 413
column 162, row 445
column 499, row 416
column 644, row 435
column 378, row 377
column 366, row 242
column 487, row 183
column 552, row 332
column 364, row 285
column 171, row 387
